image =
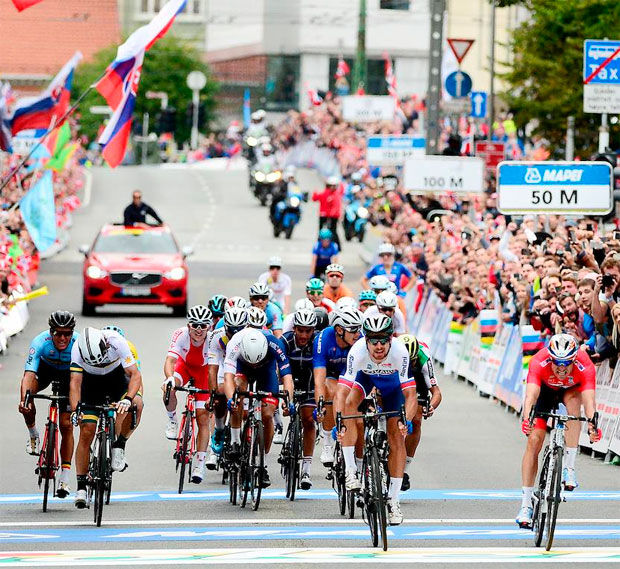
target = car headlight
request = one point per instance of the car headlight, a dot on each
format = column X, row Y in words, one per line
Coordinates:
column 176, row 274
column 259, row 176
column 251, row 141
column 95, row 272
column 294, row 201
column 272, row 177
column 362, row 213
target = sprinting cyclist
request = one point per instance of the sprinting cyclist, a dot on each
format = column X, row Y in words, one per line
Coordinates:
column 367, row 298
column 216, row 305
column 335, row 289
column 387, row 303
column 259, row 297
column 287, row 325
column 314, row 293
column 280, row 283
column 49, row 358
column 376, row 361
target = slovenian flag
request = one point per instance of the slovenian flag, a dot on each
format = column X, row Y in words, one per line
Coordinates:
column 39, row 111
column 119, row 86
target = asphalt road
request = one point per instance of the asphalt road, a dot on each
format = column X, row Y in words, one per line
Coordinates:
column 466, row 482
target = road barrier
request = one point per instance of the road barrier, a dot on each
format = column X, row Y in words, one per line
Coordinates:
column 494, row 357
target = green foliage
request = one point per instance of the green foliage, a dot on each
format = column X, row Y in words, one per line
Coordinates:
column 546, row 77
column 166, row 66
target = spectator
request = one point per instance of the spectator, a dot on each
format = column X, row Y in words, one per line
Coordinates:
column 330, row 211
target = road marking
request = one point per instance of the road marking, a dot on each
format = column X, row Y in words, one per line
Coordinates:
column 326, row 494
column 310, row 556
column 289, row 521
column 293, row 533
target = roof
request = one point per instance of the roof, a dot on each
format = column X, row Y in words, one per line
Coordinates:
column 117, row 228
column 41, row 39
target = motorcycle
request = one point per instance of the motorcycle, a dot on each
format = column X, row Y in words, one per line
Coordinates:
column 287, row 213
column 355, row 220
column 263, row 181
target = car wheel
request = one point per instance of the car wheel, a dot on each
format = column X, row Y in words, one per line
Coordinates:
column 87, row 308
column 181, row 310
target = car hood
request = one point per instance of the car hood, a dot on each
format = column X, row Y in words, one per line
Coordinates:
column 134, row 262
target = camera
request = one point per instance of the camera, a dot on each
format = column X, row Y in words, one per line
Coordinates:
column 608, row 281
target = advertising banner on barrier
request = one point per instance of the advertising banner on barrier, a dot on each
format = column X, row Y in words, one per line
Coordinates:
column 453, row 347
column 495, row 358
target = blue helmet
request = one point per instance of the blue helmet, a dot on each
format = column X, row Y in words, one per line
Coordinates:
column 325, row 234
column 115, row 329
column 217, row 304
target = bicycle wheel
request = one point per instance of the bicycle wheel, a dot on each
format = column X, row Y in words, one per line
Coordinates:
column 245, row 472
column 46, row 467
column 338, row 479
column 369, row 512
column 540, row 501
column 100, row 479
column 555, row 496
column 294, row 457
column 379, row 495
column 257, row 464
column 182, row 453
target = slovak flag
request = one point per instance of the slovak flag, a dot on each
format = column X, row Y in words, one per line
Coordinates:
column 119, row 86
column 342, row 70
column 38, row 112
column 390, row 78
column 23, row 4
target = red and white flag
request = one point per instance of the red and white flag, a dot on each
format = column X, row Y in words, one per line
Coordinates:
column 390, row 78
column 315, row 98
column 23, row 4
column 342, row 70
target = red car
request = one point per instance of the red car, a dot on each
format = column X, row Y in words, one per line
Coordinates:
column 135, row 265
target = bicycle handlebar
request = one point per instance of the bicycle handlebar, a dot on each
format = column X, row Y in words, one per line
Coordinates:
column 29, row 396
column 563, row 418
column 371, row 414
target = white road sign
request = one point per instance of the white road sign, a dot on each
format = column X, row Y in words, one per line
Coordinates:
column 368, row 108
column 444, row 174
column 393, row 150
column 575, row 188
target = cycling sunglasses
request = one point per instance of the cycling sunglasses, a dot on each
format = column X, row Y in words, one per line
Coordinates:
column 384, row 309
column 366, row 304
column 353, row 330
column 562, row 363
column 375, row 341
column 259, row 297
column 199, row 326
column 315, row 292
column 60, row 334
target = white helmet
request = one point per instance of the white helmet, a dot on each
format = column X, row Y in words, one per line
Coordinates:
column 386, row 248
column 348, row 317
column 92, row 346
column 334, row 268
column 235, row 317
column 199, row 314
column 305, row 317
column 254, row 346
column 332, row 181
column 304, row 303
column 392, row 287
column 379, row 282
column 346, row 301
column 275, row 262
column 387, row 299
column 237, row 301
column 259, row 289
column 256, row 317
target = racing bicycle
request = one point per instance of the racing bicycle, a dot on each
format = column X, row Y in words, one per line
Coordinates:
column 292, row 451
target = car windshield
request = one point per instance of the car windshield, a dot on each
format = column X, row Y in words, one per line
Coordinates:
column 137, row 242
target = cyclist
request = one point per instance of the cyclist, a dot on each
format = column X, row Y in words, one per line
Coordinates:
column 375, row 361
column 259, row 297
column 237, row 301
column 48, row 359
column 102, row 365
column 280, row 283
column 394, row 270
column 324, row 253
column 379, row 283
column 216, row 305
column 314, row 293
column 322, row 318
column 287, row 325
column 560, row 373
column 335, row 289
column 367, row 298
column 331, row 348
column 299, row 346
column 191, row 348
column 387, row 303
column 235, row 320
column 429, row 394
column 259, row 360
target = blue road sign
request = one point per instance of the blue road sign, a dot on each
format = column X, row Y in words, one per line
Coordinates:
column 569, row 188
column 478, row 104
column 595, row 52
column 458, row 84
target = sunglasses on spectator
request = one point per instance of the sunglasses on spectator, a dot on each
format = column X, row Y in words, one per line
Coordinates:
column 259, row 297
column 375, row 341
column 199, row 326
column 61, row 334
column 562, row 363
column 315, row 292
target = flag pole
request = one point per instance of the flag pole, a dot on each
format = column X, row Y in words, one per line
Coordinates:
column 49, row 131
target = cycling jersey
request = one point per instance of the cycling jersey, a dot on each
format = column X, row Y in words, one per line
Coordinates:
column 192, row 362
column 118, row 354
column 287, row 325
column 42, row 349
column 423, row 372
column 390, row 376
column 335, row 296
column 324, row 254
column 274, row 316
column 398, row 319
column 180, row 346
column 583, row 374
column 396, row 274
column 281, row 288
column 328, row 355
column 217, row 353
column 134, row 352
column 301, row 359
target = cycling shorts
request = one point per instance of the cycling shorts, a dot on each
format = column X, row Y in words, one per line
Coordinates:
column 46, row 374
column 200, row 374
column 548, row 401
column 388, row 386
column 263, row 382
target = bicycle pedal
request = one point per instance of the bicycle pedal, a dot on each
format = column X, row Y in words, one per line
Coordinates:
column 329, row 475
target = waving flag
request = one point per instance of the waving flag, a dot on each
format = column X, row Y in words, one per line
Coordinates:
column 390, row 78
column 119, row 86
column 315, row 98
column 39, row 111
column 5, row 122
column 23, row 4
column 39, row 212
column 342, row 70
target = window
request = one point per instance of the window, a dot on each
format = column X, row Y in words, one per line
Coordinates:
column 394, row 5
column 197, row 6
column 144, row 6
column 156, row 5
column 344, row 86
column 375, row 77
column 282, row 83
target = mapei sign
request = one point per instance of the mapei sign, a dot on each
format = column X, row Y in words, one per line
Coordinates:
column 569, row 188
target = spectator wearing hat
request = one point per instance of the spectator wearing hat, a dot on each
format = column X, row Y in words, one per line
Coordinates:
column 335, row 289
column 330, row 210
column 392, row 269
column 279, row 283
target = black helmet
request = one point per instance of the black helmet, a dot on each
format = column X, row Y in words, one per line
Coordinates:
column 322, row 318
column 61, row 319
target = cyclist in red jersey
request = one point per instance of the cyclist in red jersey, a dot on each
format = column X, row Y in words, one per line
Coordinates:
column 561, row 373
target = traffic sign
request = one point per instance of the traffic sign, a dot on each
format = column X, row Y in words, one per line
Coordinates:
column 458, row 84
column 564, row 188
column 478, row 104
column 601, row 76
column 460, row 47
column 491, row 152
column 196, row 80
column 444, row 174
column 368, row 108
column 393, row 150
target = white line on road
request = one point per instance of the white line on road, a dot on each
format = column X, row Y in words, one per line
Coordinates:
column 291, row 521
column 310, row 556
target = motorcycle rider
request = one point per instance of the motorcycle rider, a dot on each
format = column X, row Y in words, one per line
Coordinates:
column 257, row 126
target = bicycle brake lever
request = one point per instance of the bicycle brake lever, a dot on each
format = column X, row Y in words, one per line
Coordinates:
column 167, row 395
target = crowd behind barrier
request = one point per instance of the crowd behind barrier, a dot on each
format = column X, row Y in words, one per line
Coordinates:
column 20, row 259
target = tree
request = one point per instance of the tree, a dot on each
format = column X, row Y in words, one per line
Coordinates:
column 166, row 66
column 546, row 76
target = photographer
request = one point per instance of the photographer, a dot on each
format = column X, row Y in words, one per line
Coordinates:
column 606, row 293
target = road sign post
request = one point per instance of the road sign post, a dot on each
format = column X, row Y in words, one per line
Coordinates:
column 196, row 81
